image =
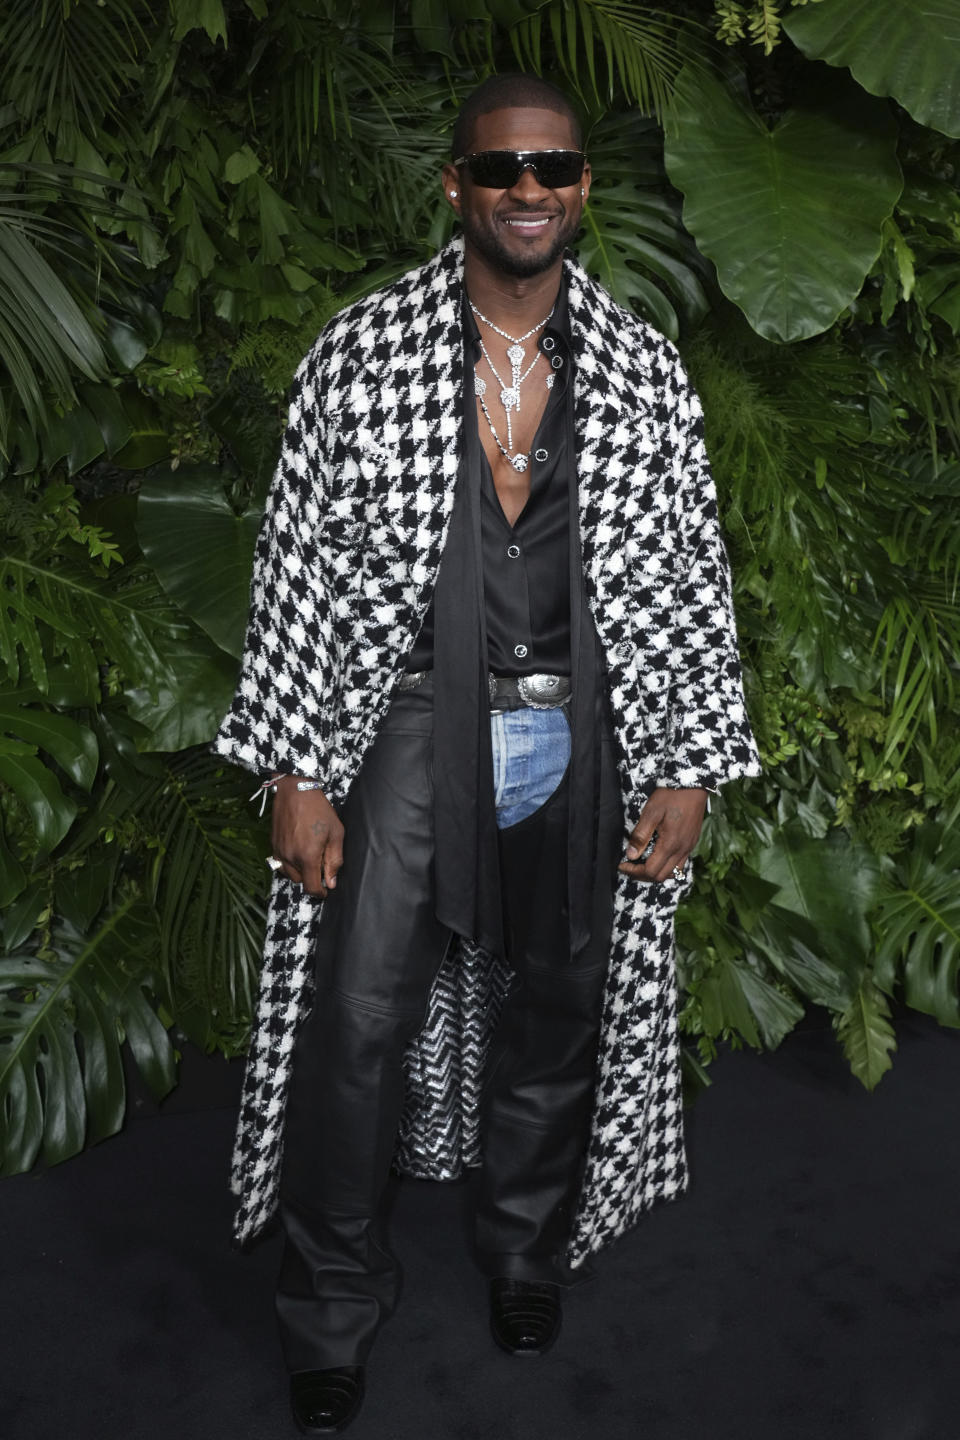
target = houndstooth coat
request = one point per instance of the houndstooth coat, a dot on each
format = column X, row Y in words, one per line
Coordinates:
column 345, row 567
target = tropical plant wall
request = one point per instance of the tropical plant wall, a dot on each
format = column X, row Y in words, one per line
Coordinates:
column 189, row 189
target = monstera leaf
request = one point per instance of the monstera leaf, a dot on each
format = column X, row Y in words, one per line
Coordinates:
column 919, row 923
column 909, row 49
column 64, row 1016
column 791, row 216
column 200, row 548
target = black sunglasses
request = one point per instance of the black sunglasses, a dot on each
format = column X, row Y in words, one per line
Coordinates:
column 499, row 169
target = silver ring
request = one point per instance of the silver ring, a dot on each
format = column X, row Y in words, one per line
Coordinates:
column 274, row 863
column 679, row 871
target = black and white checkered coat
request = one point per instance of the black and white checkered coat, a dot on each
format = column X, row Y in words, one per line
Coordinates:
column 345, row 566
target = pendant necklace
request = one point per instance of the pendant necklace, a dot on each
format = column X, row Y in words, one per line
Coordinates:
column 509, row 394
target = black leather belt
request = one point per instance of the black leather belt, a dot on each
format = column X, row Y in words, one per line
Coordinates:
column 510, row 692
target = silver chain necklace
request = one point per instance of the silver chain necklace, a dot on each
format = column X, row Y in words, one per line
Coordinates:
column 515, row 339
column 509, row 394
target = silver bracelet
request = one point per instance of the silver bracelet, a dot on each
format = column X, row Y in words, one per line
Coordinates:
column 309, row 785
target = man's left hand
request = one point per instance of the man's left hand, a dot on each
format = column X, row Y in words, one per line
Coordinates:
column 673, row 820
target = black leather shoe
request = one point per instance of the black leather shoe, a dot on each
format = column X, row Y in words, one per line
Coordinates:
column 525, row 1315
column 325, row 1401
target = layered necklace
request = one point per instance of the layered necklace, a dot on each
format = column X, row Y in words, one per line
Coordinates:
column 509, row 393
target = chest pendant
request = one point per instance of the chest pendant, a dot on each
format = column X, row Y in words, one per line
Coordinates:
column 509, row 391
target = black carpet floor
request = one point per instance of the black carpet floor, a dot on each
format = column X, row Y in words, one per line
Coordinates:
column 807, row 1288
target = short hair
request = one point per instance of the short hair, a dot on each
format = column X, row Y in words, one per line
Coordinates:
column 511, row 92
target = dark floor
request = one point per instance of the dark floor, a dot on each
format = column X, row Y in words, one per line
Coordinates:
column 808, row 1286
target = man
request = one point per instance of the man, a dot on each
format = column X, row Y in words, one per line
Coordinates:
column 490, row 675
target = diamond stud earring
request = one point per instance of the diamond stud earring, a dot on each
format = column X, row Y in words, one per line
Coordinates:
column 454, row 193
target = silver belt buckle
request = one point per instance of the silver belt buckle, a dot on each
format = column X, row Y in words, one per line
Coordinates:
column 540, row 692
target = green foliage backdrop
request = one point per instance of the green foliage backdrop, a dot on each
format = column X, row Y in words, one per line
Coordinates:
column 189, row 189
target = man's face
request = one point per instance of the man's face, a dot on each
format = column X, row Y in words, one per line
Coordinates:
column 523, row 230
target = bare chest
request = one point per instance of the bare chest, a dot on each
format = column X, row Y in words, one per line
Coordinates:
column 511, row 484
column 512, row 396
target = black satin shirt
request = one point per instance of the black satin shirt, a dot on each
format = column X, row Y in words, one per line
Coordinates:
column 526, row 566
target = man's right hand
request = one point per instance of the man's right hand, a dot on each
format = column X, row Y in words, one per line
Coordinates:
column 307, row 836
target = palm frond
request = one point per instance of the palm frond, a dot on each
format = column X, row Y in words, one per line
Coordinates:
column 384, row 177
column 70, row 65
column 209, row 889
column 57, row 271
column 44, row 335
column 918, row 640
column 633, row 239
column 330, row 65
column 599, row 44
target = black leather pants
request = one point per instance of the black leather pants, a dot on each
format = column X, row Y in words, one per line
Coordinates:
column 380, row 948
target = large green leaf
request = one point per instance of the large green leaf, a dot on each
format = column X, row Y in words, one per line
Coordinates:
column 909, row 49
column 149, row 440
column 73, row 746
column 919, row 924
column 791, row 216
column 733, row 996
column 633, row 240
column 832, row 884
column 63, row 1018
column 13, row 877
column 817, row 932
column 38, row 790
column 187, row 705
column 201, row 550
column 866, row 1034
column 775, row 1011
column 199, row 14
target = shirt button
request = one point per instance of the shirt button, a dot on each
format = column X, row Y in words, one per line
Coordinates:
column 557, row 362
column 513, row 551
column 520, row 651
column 541, row 455
column 548, row 342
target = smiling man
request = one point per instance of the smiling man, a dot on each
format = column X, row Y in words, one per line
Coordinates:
column 491, row 673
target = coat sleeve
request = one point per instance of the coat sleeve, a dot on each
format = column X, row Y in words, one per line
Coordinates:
column 708, row 740
column 284, row 711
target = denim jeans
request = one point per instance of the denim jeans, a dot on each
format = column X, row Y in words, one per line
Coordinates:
column 531, row 752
